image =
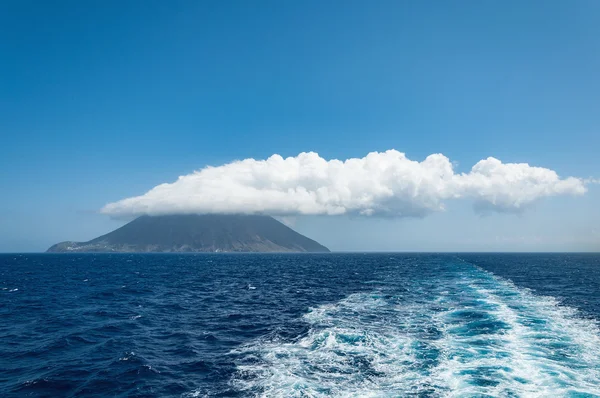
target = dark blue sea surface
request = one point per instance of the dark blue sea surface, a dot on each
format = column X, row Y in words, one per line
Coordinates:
column 300, row 325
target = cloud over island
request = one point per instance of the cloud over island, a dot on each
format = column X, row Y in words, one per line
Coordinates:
column 384, row 184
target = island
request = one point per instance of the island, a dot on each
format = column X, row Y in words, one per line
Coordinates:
column 197, row 233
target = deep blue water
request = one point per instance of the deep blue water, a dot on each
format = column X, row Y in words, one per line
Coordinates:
column 344, row 325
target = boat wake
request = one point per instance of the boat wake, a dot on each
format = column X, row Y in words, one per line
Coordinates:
column 472, row 334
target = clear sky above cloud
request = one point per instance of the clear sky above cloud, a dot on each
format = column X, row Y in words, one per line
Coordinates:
column 106, row 101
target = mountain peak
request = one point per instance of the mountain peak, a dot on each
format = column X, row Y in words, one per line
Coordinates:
column 198, row 233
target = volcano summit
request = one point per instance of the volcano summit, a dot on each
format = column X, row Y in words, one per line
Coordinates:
column 197, row 233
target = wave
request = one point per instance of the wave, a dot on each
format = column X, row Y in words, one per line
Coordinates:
column 473, row 334
column 537, row 349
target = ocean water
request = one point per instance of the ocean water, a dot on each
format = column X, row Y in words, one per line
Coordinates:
column 306, row 325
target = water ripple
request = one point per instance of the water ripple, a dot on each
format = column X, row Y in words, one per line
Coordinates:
column 341, row 325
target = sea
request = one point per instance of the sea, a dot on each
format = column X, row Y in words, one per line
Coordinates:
column 300, row 325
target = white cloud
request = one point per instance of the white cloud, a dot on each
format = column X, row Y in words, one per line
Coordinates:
column 380, row 184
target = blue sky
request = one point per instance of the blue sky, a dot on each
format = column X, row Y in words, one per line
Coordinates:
column 101, row 101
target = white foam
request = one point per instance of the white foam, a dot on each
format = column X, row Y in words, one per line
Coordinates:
column 128, row 356
column 346, row 353
column 367, row 346
column 525, row 358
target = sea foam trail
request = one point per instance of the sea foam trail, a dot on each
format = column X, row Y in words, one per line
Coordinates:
column 508, row 341
column 470, row 335
column 357, row 347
